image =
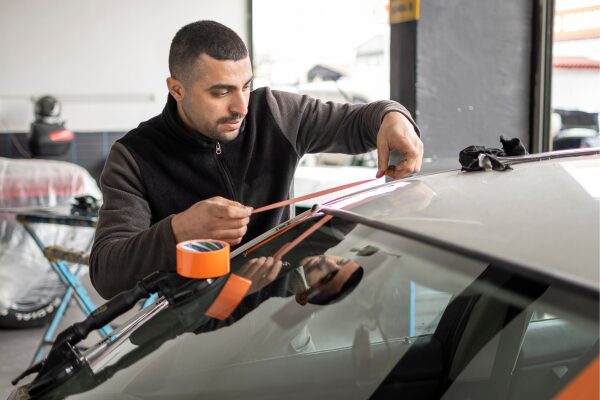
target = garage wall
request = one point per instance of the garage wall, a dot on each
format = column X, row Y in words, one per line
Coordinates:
column 469, row 76
column 106, row 60
column 474, row 70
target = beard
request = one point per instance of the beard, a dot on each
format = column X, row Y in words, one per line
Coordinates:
column 230, row 118
column 217, row 133
column 224, row 137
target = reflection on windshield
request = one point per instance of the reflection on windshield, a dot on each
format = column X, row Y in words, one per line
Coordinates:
column 323, row 283
column 328, row 279
column 354, row 312
column 320, row 273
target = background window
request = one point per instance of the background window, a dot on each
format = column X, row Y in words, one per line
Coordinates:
column 575, row 74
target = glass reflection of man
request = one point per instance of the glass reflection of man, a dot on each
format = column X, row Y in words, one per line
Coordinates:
column 328, row 278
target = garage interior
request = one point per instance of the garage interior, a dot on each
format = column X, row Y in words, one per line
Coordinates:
column 468, row 71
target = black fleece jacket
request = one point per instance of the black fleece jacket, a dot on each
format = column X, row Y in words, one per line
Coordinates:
column 161, row 168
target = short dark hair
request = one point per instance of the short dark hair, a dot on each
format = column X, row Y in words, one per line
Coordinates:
column 349, row 286
column 203, row 37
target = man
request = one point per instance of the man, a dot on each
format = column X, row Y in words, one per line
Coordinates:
column 219, row 150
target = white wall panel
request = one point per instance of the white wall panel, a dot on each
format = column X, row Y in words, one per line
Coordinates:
column 106, row 60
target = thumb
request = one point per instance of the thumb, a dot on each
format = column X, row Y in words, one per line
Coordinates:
column 383, row 155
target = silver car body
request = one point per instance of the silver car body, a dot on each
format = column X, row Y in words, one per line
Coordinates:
column 435, row 237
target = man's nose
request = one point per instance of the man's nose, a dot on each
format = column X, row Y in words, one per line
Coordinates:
column 239, row 104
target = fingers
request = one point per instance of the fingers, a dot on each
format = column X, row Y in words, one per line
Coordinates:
column 226, row 202
column 408, row 166
column 231, row 236
column 383, row 155
column 227, row 209
column 230, row 220
column 397, row 133
column 267, row 268
column 404, row 168
column 419, row 147
column 250, row 268
column 400, row 170
column 214, row 218
column 227, row 224
column 413, row 160
column 261, row 271
column 274, row 267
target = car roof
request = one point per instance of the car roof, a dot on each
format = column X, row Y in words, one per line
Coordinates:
column 542, row 216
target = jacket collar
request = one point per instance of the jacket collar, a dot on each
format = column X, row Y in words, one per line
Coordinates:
column 180, row 132
column 177, row 129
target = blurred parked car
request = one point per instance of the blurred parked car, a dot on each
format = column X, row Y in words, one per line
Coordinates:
column 341, row 91
column 575, row 129
column 457, row 285
column 575, row 138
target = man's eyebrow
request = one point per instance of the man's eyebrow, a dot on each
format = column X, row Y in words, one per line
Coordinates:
column 224, row 86
column 314, row 264
column 221, row 86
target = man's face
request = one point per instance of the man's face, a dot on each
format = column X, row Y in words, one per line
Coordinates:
column 322, row 273
column 214, row 100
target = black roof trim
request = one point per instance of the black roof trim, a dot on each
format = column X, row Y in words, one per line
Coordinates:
column 550, row 155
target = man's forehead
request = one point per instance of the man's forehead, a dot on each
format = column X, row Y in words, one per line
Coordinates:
column 212, row 71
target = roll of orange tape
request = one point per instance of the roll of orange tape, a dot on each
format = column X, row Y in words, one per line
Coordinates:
column 201, row 259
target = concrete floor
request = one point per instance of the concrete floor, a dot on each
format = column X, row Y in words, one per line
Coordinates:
column 17, row 347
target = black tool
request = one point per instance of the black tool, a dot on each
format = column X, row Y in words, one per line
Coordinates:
column 64, row 358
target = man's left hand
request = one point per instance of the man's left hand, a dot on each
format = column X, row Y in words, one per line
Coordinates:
column 397, row 133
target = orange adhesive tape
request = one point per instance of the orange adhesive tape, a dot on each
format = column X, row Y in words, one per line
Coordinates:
column 201, row 259
column 310, row 196
column 230, row 297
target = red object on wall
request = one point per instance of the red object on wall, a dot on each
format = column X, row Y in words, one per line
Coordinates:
column 63, row 135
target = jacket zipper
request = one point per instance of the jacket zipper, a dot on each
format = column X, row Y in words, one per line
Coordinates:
column 228, row 180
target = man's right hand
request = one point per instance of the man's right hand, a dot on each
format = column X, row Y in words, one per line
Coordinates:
column 215, row 218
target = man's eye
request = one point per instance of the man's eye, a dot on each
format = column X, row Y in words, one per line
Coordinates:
column 219, row 94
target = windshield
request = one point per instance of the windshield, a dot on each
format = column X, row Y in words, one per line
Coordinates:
column 359, row 313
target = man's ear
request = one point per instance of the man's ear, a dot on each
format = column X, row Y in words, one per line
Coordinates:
column 176, row 88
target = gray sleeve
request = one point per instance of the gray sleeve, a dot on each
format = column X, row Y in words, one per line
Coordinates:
column 312, row 126
column 127, row 247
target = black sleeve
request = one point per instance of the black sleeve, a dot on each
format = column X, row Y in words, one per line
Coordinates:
column 126, row 247
column 312, row 126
